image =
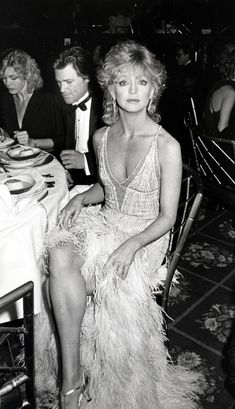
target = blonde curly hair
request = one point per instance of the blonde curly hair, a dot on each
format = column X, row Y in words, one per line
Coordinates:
column 25, row 66
column 126, row 55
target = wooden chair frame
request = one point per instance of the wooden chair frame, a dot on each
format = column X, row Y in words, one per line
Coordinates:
column 189, row 205
column 26, row 371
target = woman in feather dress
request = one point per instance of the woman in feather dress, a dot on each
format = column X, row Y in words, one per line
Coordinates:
column 104, row 259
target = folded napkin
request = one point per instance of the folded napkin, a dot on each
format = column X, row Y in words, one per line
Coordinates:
column 15, row 207
column 39, row 182
column 11, row 206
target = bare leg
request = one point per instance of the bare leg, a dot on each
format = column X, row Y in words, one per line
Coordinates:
column 68, row 296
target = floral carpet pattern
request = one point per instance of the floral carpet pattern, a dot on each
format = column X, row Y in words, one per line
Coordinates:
column 207, row 255
column 207, row 380
column 202, row 305
column 218, row 320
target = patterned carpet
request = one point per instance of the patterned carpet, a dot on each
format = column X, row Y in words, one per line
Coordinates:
column 203, row 304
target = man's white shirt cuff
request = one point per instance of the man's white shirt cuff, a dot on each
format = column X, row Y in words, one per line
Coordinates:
column 86, row 167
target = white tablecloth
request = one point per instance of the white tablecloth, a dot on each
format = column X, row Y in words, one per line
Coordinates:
column 22, row 228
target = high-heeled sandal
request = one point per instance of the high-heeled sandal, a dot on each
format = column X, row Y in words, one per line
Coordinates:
column 70, row 392
column 86, row 384
column 84, row 391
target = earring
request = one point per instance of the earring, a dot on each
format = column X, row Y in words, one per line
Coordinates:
column 149, row 106
column 115, row 110
column 114, row 104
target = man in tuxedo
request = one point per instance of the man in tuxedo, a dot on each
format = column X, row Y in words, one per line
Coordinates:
column 182, row 85
column 82, row 104
column 188, row 70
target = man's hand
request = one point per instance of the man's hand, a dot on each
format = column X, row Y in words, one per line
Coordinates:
column 72, row 159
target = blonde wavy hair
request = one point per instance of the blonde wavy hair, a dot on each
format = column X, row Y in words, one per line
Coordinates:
column 128, row 55
column 25, row 66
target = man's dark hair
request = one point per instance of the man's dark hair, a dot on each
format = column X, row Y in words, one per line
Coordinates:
column 80, row 59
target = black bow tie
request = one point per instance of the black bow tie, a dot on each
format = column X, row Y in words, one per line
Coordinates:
column 82, row 104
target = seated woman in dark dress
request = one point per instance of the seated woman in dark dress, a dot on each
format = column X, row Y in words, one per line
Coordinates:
column 28, row 112
column 219, row 113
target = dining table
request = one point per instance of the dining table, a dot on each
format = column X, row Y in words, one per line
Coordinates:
column 33, row 191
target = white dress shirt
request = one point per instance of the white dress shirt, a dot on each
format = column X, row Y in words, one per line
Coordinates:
column 82, row 123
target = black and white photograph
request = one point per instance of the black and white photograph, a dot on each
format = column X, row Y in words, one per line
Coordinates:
column 117, row 204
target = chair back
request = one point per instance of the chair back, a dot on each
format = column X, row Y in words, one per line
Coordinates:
column 23, row 374
column 191, row 118
column 215, row 162
column 194, row 114
column 189, row 204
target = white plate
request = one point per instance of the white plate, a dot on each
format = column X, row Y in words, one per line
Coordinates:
column 23, row 152
column 19, row 183
column 38, row 194
column 7, row 142
column 19, row 165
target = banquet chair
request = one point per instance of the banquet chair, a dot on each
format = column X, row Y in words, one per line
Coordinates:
column 215, row 162
column 191, row 115
column 19, row 376
column 191, row 119
column 189, row 204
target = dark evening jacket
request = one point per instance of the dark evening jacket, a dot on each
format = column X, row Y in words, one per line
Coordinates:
column 43, row 117
column 78, row 175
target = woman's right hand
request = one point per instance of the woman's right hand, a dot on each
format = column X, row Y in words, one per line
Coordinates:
column 22, row 137
column 71, row 211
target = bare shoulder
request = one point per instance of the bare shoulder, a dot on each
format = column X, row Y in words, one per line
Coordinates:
column 169, row 155
column 167, row 144
column 98, row 134
column 226, row 91
column 231, row 92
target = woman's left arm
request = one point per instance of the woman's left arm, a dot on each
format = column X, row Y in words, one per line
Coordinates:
column 42, row 143
column 170, row 185
column 226, row 109
column 46, row 143
column 24, row 139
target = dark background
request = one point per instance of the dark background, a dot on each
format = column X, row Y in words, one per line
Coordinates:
column 31, row 12
column 40, row 26
column 47, row 19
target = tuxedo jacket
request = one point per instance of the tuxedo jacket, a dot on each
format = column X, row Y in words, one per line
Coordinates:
column 78, row 175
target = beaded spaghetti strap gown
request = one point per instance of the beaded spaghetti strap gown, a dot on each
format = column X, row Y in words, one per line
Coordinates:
column 122, row 343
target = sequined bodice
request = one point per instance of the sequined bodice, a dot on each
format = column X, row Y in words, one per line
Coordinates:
column 138, row 195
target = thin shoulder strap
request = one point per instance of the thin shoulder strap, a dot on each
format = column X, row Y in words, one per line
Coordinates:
column 102, row 140
column 104, row 135
column 158, row 171
column 156, row 134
